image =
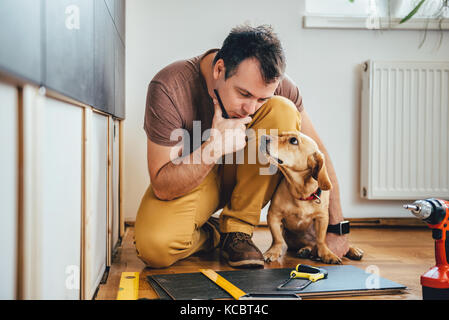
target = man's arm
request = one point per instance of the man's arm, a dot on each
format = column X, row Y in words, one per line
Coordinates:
column 171, row 179
column 338, row 244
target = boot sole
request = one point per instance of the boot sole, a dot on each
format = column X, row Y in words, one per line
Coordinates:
column 250, row 263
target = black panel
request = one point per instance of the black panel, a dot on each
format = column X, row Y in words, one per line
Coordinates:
column 104, row 90
column 69, row 58
column 342, row 280
column 119, row 78
column 20, row 38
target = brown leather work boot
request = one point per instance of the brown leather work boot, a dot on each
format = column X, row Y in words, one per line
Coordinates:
column 239, row 251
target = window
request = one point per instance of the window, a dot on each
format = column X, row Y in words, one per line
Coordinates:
column 337, row 7
column 375, row 14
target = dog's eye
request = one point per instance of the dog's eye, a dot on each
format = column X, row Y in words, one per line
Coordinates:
column 293, row 141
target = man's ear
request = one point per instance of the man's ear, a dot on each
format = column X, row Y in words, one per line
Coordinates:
column 319, row 172
column 219, row 69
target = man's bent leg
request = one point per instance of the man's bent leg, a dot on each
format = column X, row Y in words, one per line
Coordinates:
column 167, row 231
column 253, row 190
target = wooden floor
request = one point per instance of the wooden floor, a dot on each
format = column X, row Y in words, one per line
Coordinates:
column 401, row 254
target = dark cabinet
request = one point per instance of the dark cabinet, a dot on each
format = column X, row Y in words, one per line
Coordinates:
column 104, row 59
column 73, row 47
column 20, row 38
column 119, row 78
column 119, row 18
column 117, row 9
column 69, row 48
column 110, row 4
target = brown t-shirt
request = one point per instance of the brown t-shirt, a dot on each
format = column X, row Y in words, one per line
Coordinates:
column 178, row 95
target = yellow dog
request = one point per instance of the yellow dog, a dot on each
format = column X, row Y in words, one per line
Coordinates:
column 301, row 199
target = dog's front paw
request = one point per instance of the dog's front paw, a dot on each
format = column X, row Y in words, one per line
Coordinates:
column 331, row 259
column 273, row 254
column 305, row 252
column 354, row 253
column 328, row 256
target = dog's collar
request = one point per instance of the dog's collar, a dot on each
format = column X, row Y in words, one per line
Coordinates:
column 316, row 195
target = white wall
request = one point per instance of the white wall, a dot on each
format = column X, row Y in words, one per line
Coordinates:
column 324, row 63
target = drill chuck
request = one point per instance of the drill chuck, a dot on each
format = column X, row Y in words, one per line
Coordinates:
column 421, row 209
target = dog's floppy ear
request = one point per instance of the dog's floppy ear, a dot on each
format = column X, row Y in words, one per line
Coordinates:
column 316, row 163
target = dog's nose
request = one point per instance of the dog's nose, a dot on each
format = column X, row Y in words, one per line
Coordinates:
column 266, row 139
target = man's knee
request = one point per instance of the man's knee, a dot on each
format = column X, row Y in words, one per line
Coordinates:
column 154, row 248
column 279, row 113
column 280, row 102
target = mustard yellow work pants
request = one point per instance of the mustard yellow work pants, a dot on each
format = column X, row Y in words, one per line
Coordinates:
column 167, row 231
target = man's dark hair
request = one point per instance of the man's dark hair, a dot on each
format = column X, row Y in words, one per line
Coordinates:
column 260, row 43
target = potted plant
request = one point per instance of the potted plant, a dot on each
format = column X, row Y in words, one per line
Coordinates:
column 437, row 9
column 439, row 14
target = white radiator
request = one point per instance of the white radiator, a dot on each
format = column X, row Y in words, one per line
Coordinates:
column 405, row 130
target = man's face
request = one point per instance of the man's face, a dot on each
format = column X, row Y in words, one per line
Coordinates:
column 244, row 92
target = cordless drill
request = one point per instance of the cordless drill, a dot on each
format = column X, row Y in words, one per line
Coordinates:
column 435, row 282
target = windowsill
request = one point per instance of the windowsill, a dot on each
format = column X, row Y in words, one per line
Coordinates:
column 345, row 22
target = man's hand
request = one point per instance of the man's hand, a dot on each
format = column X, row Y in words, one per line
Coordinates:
column 227, row 135
column 338, row 244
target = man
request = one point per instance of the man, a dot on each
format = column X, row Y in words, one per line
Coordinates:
column 173, row 220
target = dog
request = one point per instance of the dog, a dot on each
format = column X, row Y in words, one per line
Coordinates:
column 301, row 199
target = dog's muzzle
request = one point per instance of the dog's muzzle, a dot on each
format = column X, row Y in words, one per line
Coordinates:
column 264, row 142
